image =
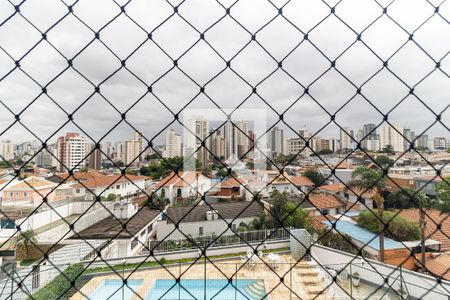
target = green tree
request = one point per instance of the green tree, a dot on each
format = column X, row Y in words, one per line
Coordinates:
column 284, row 159
column 389, row 149
column 398, row 227
column 443, row 193
column 278, row 207
column 370, row 180
column 222, row 172
column 296, row 217
column 315, row 176
column 157, row 202
column 111, row 197
column 384, row 161
column 259, row 223
column 337, row 241
column 27, row 239
column 4, row 164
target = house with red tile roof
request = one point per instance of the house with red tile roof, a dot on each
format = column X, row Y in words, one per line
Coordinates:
column 354, row 198
column 27, row 192
column 229, row 188
column 120, row 185
column 179, row 186
column 437, row 264
column 326, row 204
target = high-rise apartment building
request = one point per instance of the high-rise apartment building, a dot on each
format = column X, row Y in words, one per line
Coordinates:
column 196, row 135
column 392, row 135
column 346, row 135
column 217, row 143
column 422, row 141
column 94, row 160
column 6, row 150
column 173, row 144
column 133, row 149
column 71, row 152
column 409, row 137
column 440, row 143
column 43, row 158
column 369, row 131
column 275, row 141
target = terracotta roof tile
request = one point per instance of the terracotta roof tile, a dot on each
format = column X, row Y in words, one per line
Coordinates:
column 32, row 183
column 439, row 266
column 301, row 180
column 107, row 180
column 232, row 182
column 179, row 180
column 339, row 187
column 433, row 217
column 324, row 201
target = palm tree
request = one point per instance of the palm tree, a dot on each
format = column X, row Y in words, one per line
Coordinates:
column 27, row 238
column 369, row 180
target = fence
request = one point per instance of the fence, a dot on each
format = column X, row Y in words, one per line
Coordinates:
column 241, row 238
column 86, row 81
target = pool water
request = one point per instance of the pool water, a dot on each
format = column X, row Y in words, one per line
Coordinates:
column 216, row 289
column 114, row 289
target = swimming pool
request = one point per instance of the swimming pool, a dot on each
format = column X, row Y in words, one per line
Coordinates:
column 114, row 289
column 216, row 289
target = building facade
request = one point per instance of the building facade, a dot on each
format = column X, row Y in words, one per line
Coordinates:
column 71, row 152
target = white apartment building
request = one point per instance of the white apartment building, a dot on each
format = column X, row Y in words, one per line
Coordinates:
column 173, row 144
column 391, row 135
column 71, row 151
column 372, row 145
column 346, row 140
column 198, row 132
column 6, row 150
column 133, row 149
column 275, row 141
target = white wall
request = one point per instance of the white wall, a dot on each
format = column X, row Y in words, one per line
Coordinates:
column 164, row 229
column 417, row 284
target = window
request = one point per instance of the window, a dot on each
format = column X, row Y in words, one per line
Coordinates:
column 149, row 228
column 200, row 231
column 325, row 212
column 25, row 194
column 233, row 226
column 179, row 192
column 134, row 243
column 77, row 191
column 117, row 186
column 338, row 211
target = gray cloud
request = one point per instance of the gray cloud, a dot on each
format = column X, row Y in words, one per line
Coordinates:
column 202, row 63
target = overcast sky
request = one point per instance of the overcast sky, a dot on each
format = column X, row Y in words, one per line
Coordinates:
column 201, row 62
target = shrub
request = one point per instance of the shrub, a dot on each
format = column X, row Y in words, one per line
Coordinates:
column 60, row 286
column 398, row 229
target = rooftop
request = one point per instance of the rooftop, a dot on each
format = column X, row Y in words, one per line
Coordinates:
column 112, row 227
column 228, row 210
column 363, row 235
column 107, row 180
column 180, row 179
column 433, row 218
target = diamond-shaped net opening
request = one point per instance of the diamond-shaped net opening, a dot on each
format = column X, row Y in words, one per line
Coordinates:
column 224, row 149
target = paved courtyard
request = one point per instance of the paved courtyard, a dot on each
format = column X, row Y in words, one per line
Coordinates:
column 303, row 282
